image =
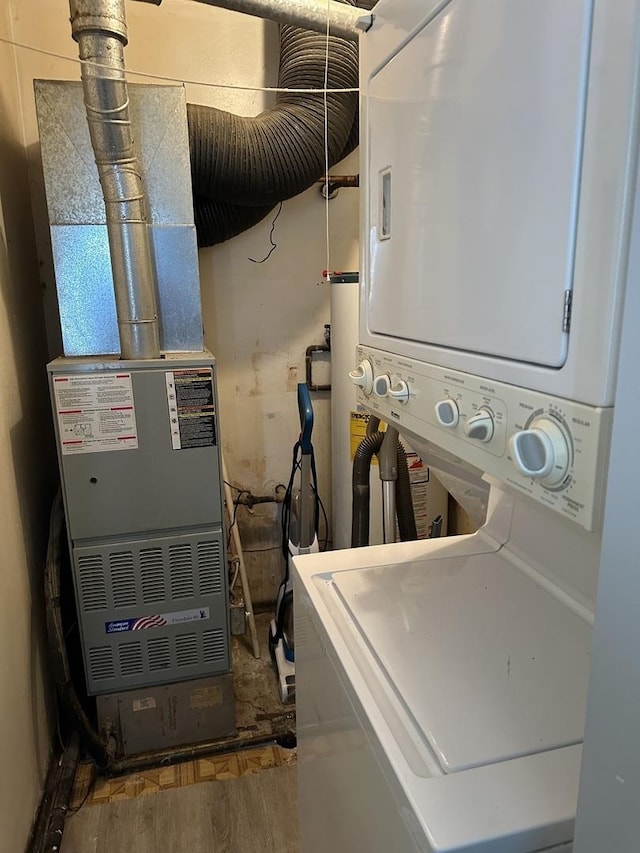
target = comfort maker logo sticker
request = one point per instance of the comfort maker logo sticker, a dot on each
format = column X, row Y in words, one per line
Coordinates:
column 156, row 620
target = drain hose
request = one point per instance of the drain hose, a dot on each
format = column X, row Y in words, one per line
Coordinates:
column 361, row 490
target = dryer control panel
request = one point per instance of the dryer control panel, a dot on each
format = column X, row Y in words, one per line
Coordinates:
column 551, row 449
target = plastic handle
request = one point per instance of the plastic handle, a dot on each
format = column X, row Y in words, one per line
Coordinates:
column 306, row 418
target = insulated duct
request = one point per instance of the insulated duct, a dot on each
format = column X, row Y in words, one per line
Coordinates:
column 243, row 166
column 99, row 28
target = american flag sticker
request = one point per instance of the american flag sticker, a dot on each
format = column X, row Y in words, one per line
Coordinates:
column 156, row 620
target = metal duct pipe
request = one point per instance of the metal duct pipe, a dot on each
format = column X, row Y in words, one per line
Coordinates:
column 100, row 29
column 344, row 21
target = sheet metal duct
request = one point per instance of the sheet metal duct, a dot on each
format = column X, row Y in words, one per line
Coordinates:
column 81, row 256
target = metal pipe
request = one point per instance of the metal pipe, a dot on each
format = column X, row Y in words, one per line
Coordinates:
column 100, row 29
column 388, row 511
column 344, row 21
column 389, row 474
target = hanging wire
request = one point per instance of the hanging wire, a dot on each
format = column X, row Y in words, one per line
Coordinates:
column 274, row 245
column 326, row 136
column 165, row 77
column 234, row 518
column 88, row 792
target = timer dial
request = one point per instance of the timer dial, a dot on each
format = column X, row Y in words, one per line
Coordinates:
column 542, row 451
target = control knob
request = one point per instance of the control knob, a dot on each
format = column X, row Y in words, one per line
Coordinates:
column 399, row 391
column 362, row 376
column 382, row 385
column 541, row 451
column 480, row 426
column 447, row 413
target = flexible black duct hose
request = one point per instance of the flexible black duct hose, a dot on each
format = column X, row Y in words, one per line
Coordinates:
column 361, row 491
column 372, row 424
column 217, row 221
column 404, row 502
column 243, row 166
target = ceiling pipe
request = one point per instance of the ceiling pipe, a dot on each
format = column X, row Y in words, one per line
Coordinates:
column 345, row 21
column 100, row 29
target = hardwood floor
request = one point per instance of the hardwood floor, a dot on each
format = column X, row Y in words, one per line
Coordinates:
column 252, row 814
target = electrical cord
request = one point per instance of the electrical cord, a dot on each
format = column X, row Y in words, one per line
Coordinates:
column 234, row 518
column 325, row 541
column 235, row 576
column 87, row 793
column 274, row 245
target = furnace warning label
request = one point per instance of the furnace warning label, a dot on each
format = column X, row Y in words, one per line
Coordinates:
column 96, row 412
column 191, row 408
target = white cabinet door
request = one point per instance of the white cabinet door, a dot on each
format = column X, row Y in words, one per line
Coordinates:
column 475, row 132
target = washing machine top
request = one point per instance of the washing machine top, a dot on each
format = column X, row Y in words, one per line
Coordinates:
column 489, row 660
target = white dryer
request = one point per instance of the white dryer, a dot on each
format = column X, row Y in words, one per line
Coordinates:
column 441, row 685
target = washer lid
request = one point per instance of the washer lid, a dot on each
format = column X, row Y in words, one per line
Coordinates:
column 489, row 664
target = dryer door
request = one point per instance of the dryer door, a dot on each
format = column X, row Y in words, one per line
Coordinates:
column 475, row 132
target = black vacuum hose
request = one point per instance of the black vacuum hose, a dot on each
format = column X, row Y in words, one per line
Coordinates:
column 361, row 491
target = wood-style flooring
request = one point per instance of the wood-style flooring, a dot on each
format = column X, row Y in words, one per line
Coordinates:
column 253, row 814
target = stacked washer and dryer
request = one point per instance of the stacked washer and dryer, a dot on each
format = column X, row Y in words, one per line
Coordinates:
column 442, row 684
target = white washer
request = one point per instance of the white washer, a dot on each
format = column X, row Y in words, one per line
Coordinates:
column 441, row 696
column 441, row 685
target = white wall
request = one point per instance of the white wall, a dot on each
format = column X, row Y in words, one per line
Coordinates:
column 259, row 318
column 26, row 465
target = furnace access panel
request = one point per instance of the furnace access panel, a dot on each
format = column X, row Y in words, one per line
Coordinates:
column 141, row 477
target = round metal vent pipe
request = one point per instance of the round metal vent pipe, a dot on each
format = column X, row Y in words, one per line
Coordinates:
column 100, row 29
column 345, row 22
